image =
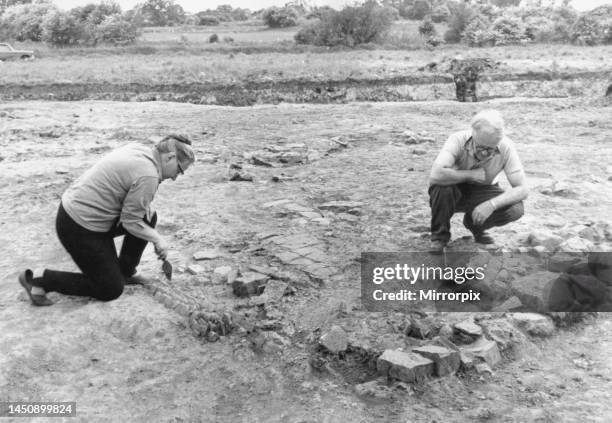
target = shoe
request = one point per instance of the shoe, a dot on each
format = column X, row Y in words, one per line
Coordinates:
column 25, row 279
column 136, row 279
column 437, row 246
column 483, row 238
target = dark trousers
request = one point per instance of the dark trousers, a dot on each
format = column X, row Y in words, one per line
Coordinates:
column 104, row 272
column 450, row 199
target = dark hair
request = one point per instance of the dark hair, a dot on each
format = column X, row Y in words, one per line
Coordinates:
column 180, row 138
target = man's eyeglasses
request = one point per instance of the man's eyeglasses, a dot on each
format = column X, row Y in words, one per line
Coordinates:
column 485, row 151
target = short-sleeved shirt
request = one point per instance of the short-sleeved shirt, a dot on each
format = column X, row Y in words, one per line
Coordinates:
column 120, row 187
column 461, row 146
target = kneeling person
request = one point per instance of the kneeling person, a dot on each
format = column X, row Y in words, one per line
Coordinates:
column 111, row 199
column 464, row 179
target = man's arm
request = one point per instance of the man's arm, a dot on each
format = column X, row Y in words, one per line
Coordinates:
column 518, row 192
column 442, row 172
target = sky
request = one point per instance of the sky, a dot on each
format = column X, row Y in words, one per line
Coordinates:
column 198, row 5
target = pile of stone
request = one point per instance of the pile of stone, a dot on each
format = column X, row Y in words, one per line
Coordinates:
column 410, row 137
column 279, row 155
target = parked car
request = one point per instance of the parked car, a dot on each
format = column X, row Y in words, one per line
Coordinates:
column 8, row 52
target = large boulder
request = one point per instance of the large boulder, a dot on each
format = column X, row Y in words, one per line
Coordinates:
column 405, row 366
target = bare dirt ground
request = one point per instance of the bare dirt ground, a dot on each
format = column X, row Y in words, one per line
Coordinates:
column 135, row 360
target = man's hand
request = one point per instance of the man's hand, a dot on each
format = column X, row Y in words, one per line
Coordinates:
column 478, row 176
column 482, row 212
column 161, row 249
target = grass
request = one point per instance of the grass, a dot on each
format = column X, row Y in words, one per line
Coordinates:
column 183, row 55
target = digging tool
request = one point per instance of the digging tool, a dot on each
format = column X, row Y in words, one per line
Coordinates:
column 167, row 269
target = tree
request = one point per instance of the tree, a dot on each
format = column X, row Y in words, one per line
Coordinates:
column 95, row 13
column 162, row 13
column 24, row 21
column 4, row 4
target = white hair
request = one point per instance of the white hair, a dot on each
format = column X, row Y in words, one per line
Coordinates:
column 488, row 120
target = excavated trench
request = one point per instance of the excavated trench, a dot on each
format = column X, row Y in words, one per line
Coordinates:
column 406, row 88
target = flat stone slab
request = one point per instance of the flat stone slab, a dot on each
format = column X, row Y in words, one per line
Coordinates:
column 341, row 206
column 405, row 366
column 207, row 255
column 470, row 328
column 334, row 341
column 446, row 361
column 483, row 349
column 195, row 269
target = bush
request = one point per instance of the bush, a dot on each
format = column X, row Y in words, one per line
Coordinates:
column 587, row 31
column 319, row 12
column 284, row 17
column 508, row 31
column 461, row 14
column 539, row 29
column 62, row 29
column 478, row 33
column 94, row 14
column 207, row 20
column 24, row 21
column 116, row 30
column 427, row 28
column 351, row 26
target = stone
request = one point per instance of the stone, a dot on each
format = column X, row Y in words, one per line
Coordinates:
column 419, row 152
column 534, row 324
column 469, row 328
column 232, row 276
column 375, row 389
column 483, row 349
column 534, row 290
column 562, row 261
column 405, row 366
column 446, row 361
column 341, row 206
column 510, row 304
column 544, row 238
column 248, row 284
column 195, row 269
column 505, row 334
column 207, row 255
column 563, row 189
column 260, row 162
column 335, row 341
column 577, row 244
column 238, row 176
column 220, row 274
column 483, row 368
column 273, row 291
column 421, row 328
column 276, row 203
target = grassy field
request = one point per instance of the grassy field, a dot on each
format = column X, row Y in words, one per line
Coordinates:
column 184, row 55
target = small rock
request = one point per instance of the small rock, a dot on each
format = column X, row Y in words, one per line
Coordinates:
column 419, row 152
column 375, row 389
column 534, row 324
column 207, row 255
column 237, row 176
column 334, row 341
column 260, row 162
column 562, row 261
column 220, row 274
column 421, row 328
column 195, row 269
column 577, row 244
column 483, row 349
column 250, row 283
column 405, row 366
column 341, row 206
column 483, row 368
column 469, row 328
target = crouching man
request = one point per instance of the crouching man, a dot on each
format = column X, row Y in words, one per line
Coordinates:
column 110, row 199
column 464, row 179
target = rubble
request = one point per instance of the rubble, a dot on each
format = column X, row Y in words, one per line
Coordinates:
column 249, row 283
column 335, row 340
column 446, row 360
column 534, row 324
column 483, row 349
column 405, row 366
column 207, row 255
column 534, row 290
